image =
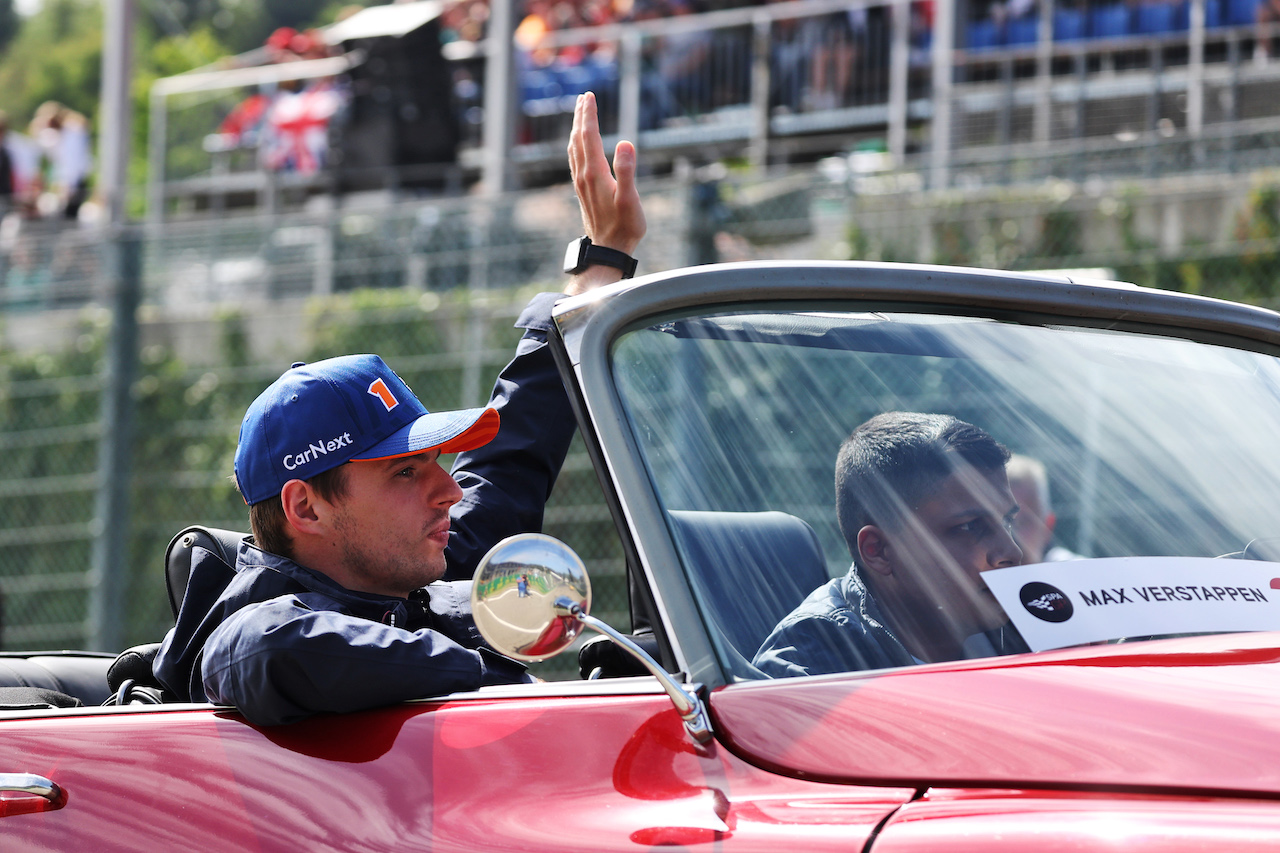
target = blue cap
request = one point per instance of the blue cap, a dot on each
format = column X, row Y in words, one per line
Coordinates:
column 353, row 408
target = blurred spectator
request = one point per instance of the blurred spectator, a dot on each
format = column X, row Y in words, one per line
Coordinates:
column 297, row 126
column 790, row 51
column 75, row 163
column 62, row 135
column 1033, row 525
column 464, row 20
column 1268, row 14
column 837, row 46
column 1004, row 11
column 243, row 125
column 531, row 30
column 673, row 81
column 290, row 124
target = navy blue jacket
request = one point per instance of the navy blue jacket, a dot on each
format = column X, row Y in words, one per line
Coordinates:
column 837, row 628
column 280, row 641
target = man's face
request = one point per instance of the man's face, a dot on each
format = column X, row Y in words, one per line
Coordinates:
column 392, row 525
column 1031, row 528
column 935, row 561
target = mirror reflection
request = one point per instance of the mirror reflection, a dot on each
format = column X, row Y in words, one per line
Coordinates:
column 515, row 592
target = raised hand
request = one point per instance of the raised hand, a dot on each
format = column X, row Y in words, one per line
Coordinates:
column 611, row 212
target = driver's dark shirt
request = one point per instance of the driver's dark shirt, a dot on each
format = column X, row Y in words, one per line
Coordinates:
column 837, row 628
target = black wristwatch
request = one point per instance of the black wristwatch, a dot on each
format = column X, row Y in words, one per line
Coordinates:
column 582, row 253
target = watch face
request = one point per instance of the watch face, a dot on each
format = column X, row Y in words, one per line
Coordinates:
column 573, row 256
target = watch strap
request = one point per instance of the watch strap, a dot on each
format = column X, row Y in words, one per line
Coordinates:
column 611, row 258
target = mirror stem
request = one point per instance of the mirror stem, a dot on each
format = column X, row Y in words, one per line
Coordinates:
column 692, row 711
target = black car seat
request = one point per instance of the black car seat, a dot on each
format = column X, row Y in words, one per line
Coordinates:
column 130, row 677
column 224, row 544
column 749, row 570
column 52, row 680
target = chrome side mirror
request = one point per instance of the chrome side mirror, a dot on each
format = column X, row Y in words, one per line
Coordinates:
column 531, row 598
column 515, row 591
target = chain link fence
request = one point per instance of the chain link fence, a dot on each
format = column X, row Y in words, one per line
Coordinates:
column 434, row 286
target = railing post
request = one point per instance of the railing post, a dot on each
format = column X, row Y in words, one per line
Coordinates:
column 760, row 86
column 1004, row 121
column 944, row 39
column 499, row 98
column 123, row 286
column 899, row 70
column 1153, row 110
column 629, row 86
column 111, row 504
column 1042, row 121
column 157, row 128
column 1195, row 70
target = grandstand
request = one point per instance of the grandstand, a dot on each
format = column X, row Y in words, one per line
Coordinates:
column 956, row 92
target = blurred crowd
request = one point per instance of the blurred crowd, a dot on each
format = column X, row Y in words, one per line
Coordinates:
column 44, row 173
column 44, row 187
column 287, row 123
column 823, row 62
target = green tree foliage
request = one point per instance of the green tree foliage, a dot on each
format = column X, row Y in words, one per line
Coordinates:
column 57, row 55
column 239, row 24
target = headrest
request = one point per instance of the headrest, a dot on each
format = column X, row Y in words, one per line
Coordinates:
column 750, row 568
column 177, row 557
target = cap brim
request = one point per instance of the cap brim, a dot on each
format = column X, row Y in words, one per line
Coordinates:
column 448, row 432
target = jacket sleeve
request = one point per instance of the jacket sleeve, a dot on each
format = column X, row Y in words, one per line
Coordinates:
column 507, row 482
column 279, row 661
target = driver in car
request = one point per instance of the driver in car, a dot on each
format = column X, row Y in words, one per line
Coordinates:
column 337, row 604
column 924, row 504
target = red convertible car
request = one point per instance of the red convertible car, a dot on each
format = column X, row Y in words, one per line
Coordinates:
column 1120, row 692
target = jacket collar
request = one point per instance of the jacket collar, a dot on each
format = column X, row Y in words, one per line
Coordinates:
column 379, row 608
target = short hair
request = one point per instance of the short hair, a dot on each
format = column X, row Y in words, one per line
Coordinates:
column 891, row 462
column 267, row 520
column 1025, row 469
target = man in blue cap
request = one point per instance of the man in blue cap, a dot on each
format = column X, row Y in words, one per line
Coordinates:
column 351, row 593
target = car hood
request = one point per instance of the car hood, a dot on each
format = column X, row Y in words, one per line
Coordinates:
column 1196, row 715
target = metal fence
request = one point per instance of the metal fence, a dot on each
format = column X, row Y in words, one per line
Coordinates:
column 433, row 286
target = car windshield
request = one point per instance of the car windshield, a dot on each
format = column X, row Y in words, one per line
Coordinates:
column 1139, row 500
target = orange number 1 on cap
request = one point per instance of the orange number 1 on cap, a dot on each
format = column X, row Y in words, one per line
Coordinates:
column 380, row 390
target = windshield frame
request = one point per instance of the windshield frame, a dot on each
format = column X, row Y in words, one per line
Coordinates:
column 590, row 326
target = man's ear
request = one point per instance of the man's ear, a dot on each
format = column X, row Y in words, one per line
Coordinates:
column 303, row 508
column 1050, row 520
column 873, row 550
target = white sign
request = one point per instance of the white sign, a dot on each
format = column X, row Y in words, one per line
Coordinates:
column 1088, row 601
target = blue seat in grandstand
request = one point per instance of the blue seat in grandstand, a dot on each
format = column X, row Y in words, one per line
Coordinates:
column 1068, row 24
column 1212, row 14
column 982, row 35
column 575, row 79
column 1154, row 18
column 1109, row 21
column 1023, row 30
column 536, row 84
column 1242, row 12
